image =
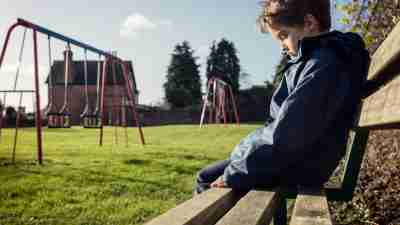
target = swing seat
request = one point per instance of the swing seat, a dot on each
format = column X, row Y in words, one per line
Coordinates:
column 65, row 120
column 59, row 120
column 91, row 121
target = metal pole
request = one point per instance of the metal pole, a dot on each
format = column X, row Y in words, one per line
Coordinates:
column 219, row 109
column 131, row 94
column 124, row 119
column 223, row 97
column 205, row 103
column 98, row 87
column 103, row 83
column 234, row 106
column 38, row 112
column 114, row 101
column 86, row 110
column 1, row 113
column 214, row 98
column 61, row 37
column 203, row 111
column 3, row 51
column 21, row 53
column 16, row 128
column 1, row 120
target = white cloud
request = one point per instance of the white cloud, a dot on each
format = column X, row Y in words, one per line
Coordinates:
column 138, row 23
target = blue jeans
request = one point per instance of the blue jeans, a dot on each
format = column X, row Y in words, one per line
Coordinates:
column 209, row 174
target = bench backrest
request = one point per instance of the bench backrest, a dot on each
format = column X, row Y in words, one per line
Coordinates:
column 380, row 109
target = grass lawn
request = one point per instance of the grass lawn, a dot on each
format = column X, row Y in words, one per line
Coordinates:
column 82, row 183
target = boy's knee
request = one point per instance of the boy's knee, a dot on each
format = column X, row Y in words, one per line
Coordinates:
column 201, row 178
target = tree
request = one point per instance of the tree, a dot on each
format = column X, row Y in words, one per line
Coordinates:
column 373, row 19
column 183, row 85
column 223, row 63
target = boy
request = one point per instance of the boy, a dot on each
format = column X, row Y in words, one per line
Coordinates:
column 312, row 110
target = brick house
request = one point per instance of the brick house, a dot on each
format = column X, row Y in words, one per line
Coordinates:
column 76, row 98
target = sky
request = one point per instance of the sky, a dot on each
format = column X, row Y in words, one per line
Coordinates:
column 142, row 31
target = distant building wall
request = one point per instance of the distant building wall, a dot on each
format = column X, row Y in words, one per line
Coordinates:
column 165, row 117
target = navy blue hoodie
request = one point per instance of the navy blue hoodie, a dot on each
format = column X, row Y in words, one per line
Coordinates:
column 310, row 115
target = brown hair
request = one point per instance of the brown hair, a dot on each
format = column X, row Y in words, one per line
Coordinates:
column 291, row 13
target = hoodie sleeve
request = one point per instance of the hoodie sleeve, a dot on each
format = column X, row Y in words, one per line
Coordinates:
column 305, row 114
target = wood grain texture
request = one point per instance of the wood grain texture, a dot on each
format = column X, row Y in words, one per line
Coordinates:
column 311, row 208
column 256, row 208
column 382, row 107
column 387, row 53
column 204, row 209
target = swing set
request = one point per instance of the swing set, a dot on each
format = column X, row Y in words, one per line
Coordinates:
column 219, row 101
column 62, row 118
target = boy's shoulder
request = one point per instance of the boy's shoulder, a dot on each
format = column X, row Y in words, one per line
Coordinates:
column 334, row 47
column 323, row 54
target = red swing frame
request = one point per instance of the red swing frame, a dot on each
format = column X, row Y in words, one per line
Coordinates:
column 221, row 91
column 109, row 57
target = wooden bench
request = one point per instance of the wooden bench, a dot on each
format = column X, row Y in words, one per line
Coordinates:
column 380, row 109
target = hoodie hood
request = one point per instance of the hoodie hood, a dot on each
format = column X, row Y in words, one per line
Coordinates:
column 349, row 47
column 346, row 45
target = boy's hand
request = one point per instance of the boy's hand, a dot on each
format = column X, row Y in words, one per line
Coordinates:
column 218, row 183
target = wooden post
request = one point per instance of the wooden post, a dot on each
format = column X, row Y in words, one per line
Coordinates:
column 353, row 163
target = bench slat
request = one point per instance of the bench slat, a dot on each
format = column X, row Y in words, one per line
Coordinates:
column 255, row 208
column 206, row 208
column 386, row 55
column 311, row 208
column 382, row 109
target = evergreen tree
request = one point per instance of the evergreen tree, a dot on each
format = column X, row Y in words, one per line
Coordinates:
column 223, row 63
column 183, row 85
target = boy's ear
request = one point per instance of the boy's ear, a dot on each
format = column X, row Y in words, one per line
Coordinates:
column 311, row 24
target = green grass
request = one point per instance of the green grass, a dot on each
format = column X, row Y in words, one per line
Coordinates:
column 82, row 183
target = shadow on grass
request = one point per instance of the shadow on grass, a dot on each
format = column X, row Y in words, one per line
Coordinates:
column 88, row 177
column 94, row 177
column 4, row 162
column 136, row 162
column 59, row 130
column 180, row 169
column 182, row 156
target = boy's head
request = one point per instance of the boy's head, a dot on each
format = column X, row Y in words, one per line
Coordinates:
column 289, row 21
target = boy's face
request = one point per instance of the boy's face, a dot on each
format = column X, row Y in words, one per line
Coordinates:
column 288, row 37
